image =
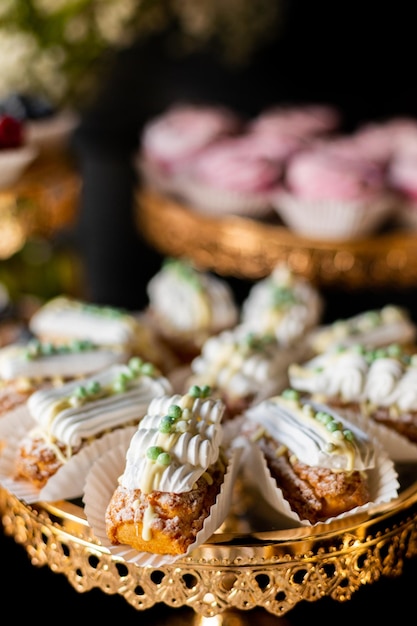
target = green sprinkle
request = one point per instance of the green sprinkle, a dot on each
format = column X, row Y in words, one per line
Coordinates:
column 93, row 387
column 175, row 411
column 80, row 392
column 166, row 423
column 348, row 435
column 185, row 271
column 332, row 426
column 135, row 364
column 394, row 350
column 36, row 348
column 323, row 417
column 194, row 391
column 103, row 311
column 282, row 297
column 290, row 394
column 164, row 458
column 148, row 369
column 205, row 391
column 154, row 452
column 119, row 385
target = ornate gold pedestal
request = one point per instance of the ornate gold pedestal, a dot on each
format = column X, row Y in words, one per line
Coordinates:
column 273, row 569
column 254, row 560
column 247, row 248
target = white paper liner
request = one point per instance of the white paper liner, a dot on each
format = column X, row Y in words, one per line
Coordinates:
column 68, row 481
column 101, row 483
column 383, row 481
column 332, row 220
column 13, row 163
column 211, row 201
column 13, row 427
column 398, row 447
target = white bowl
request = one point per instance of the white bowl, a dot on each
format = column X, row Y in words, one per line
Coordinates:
column 51, row 133
column 13, row 162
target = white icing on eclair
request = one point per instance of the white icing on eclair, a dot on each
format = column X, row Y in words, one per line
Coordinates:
column 190, row 300
column 240, row 362
column 373, row 328
column 67, row 318
column 83, row 409
column 384, row 377
column 40, row 360
column 176, row 442
column 314, row 433
column 284, row 304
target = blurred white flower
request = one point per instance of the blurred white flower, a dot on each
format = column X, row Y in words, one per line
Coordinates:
column 54, row 48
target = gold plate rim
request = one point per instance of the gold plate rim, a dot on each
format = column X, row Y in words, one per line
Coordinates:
column 244, row 247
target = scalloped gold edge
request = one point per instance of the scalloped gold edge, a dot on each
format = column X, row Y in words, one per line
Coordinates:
column 227, row 574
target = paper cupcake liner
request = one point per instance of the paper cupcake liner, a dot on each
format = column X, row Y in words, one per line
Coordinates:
column 332, row 220
column 382, row 479
column 100, row 485
column 398, row 447
column 13, row 427
column 68, row 481
column 211, row 201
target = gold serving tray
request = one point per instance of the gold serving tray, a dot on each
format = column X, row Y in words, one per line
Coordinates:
column 44, row 200
column 247, row 248
column 249, row 563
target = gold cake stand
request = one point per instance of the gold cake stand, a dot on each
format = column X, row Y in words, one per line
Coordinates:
column 249, row 563
column 44, row 200
column 247, row 248
column 254, row 560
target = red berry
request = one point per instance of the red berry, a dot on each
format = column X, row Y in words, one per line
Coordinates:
column 11, row 132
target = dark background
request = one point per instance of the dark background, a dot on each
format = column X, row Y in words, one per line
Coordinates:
column 358, row 56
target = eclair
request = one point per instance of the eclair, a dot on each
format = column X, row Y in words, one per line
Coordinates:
column 173, row 476
column 68, row 418
column 314, row 461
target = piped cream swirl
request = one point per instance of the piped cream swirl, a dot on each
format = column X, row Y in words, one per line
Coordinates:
column 385, row 377
column 241, row 362
column 191, row 301
column 67, row 318
column 190, row 447
column 314, row 433
column 284, row 304
column 373, row 328
column 17, row 361
column 83, row 409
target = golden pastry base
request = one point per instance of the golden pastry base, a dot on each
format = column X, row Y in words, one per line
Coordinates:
column 247, row 248
column 237, row 569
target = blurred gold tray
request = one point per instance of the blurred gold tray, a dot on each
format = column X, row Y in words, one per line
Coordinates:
column 249, row 563
column 246, row 248
column 44, row 200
